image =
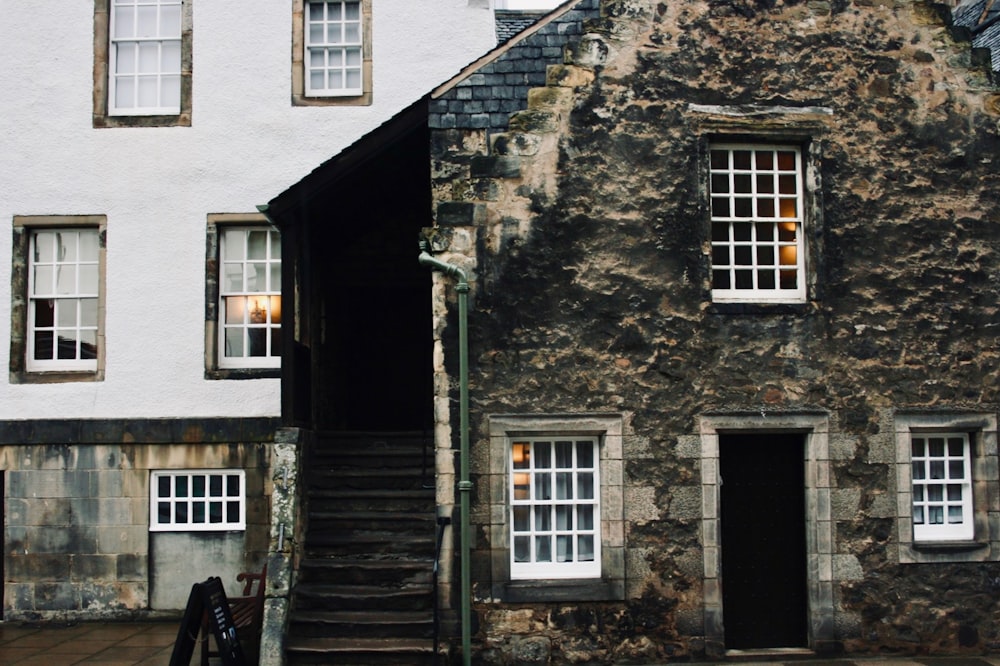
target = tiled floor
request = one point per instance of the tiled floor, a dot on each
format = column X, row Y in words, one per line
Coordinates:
column 108, row 644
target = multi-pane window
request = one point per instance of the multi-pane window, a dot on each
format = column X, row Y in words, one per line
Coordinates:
column 334, row 57
column 942, row 487
column 555, row 510
column 63, row 295
column 197, row 500
column 250, row 298
column 145, row 57
column 757, row 214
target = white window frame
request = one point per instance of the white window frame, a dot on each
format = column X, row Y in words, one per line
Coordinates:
column 347, row 45
column 57, row 280
column 264, row 299
column 545, row 509
column 983, row 545
column 949, row 473
column 165, row 42
column 190, row 503
column 758, row 235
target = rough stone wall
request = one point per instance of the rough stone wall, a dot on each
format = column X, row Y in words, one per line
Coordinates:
column 76, row 533
column 586, row 224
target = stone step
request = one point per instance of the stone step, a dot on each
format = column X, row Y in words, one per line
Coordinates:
column 374, row 544
column 419, row 500
column 372, row 624
column 328, row 597
column 361, row 651
column 357, row 571
column 381, row 522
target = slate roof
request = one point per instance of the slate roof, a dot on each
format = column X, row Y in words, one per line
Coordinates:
column 510, row 22
column 982, row 18
column 487, row 92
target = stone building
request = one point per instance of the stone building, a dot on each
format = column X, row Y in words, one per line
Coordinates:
column 143, row 317
column 723, row 276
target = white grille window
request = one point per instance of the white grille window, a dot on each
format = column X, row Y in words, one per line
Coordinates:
column 63, row 293
column 145, row 57
column 197, row 500
column 334, row 48
column 555, row 511
column 942, row 487
column 250, row 295
column 756, row 202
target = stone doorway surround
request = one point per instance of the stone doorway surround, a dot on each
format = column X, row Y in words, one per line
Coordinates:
column 819, row 526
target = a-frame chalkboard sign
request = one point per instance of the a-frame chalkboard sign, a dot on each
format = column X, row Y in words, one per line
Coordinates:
column 208, row 597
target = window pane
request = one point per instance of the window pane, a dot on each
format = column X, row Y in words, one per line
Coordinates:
column 764, row 160
column 935, row 515
column 235, row 309
column 585, row 517
column 522, row 518
column 743, row 207
column 215, row 512
column 353, row 79
column 543, row 519
column 564, row 517
column 956, row 447
column 147, row 21
column 198, row 485
column 543, row 455
column 180, row 512
column 741, row 183
column 88, row 245
column 522, row 549
column 564, row 485
column 67, row 345
column 66, row 313
column 564, row 548
column 585, row 544
column 741, row 159
column 149, row 58
column 543, row 549
column 956, row 469
column 937, row 469
column 720, row 159
column 180, row 486
column 232, row 512
column 163, row 512
column 43, row 283
column 197, row 512
column 170, row 91
column 124, row 19
column 585, row 485
column 918, row 515
column 232, row 485
column 955, row 514
column 215, row 485
column 234, row 342
column 88, row 344
column 148, row 91
column 917, row 448
column 786, row 160
column 543, row 487
column 124, row 92
column 170, row 21
column 720, row 207
column 564, row 455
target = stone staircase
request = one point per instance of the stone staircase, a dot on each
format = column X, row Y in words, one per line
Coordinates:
column 364, row 592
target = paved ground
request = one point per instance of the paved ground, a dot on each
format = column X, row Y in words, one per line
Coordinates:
column 108, row 644
column 152, row 643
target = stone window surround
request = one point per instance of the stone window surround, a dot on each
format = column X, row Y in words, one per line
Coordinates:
column 819, row 524
column 299, row 97
column 800, row 126
column 608, row 428
column 102, row 67
column 23, row 224
column 212, row 369
column 982, row 429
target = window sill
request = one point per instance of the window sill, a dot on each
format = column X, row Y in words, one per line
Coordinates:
column 243, row 373
column 55, row 377
column 948, row 546
column 760, row 308
column 182, row 119
column 572, row 589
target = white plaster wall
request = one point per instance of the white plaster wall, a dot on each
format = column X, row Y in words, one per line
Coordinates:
column 157, row 185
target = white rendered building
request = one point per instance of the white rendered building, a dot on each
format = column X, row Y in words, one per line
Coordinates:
column 144, row 307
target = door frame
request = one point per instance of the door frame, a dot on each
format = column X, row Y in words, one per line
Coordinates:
column 815, row 427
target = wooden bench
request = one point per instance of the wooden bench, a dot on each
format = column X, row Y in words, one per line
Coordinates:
column 247, row 612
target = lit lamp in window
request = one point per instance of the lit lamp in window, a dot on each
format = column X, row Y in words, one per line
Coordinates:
column 258, row 315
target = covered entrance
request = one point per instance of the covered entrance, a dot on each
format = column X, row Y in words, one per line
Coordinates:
column 763, row 523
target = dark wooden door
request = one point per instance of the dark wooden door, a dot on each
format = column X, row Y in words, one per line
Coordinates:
column 764, row 592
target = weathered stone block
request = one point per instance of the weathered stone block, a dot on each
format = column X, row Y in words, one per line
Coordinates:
column 460, row 213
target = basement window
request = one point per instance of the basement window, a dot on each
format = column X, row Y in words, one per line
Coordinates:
column 756, row 200
column 197, row 501
column 942, row 486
